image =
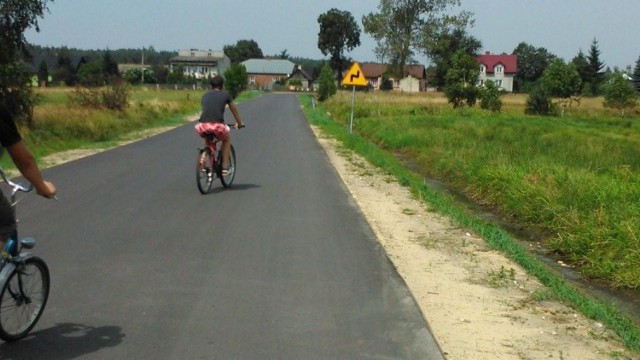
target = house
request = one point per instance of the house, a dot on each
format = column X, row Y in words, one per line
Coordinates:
column 264, row 73
column 501, row 69
column 200, row 64
column 414, row 80
column 305, row 75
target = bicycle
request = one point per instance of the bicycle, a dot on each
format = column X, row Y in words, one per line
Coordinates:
column 209, row 166
column 24, row 281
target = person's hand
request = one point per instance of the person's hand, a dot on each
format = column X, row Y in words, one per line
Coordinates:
column 48, row 191
column 238, row 125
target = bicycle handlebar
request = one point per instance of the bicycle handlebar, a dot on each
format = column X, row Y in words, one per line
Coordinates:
column 15, row 186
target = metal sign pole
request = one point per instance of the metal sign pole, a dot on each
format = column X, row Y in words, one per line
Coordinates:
column 353, row 103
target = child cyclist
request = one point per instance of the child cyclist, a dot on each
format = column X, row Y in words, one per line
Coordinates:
column 211, row 120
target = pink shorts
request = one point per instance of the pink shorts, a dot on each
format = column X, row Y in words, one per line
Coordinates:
column 219, row 130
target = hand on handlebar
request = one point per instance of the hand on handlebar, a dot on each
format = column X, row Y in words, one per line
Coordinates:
column 238, row 125
column 49, row 192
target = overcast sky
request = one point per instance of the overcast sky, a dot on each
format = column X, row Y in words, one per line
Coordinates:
column 563, row 27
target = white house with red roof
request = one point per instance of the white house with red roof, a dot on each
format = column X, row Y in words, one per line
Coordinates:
column 501, row 69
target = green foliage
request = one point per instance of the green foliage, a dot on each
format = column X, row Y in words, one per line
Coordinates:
column 539, row 103
column 490, row 97
column 595, row 75
column 561, row 80
column 461, row 80
column 339, row 32
column 43, row 72
column 385, row 83
column 444, row 45
column 619, row 93
column 636, row 75
column 91, row 74
column 243, row 50
column 135, row 76
column 15, row 17
column 401, row 28
column 326, row 83
column 532, row 62
column 236, row 79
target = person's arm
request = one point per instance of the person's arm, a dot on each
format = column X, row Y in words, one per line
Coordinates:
column 28, row 167
column 236, row 114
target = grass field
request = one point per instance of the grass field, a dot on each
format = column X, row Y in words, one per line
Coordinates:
column 572, row 179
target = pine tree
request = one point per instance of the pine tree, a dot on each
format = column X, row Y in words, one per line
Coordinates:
column 595, row 67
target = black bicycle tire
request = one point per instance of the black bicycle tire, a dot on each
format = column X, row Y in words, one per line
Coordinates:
column 228, row 180
column 24, row 330
column 202, row 178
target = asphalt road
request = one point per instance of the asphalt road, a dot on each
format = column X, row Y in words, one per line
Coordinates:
column 281, row 266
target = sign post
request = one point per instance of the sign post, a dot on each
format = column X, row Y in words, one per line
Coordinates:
column 354, row 77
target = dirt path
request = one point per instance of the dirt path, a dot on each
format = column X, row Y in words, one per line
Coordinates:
column 479, row 304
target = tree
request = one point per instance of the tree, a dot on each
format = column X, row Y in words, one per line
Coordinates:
column 15, row 17
column 109, row 67
column 326, row 83
column 532, row 62
column 444, row 45
column 243, row 50
column 619, row 93
column 91, row 74
column 595, row 67
column 338, row 32
column 461, row 80
column 561, row 80
column 236, row 79
column 636, row 75
column 43, row 72
column 490, row 97
column 539, row 102
column 402, row 27
column 65, row 72
column 582, row 67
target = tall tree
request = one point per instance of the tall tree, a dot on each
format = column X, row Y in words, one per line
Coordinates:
column 338, row 32
column 15, row 17
column 561, row 80
column 446, row 43
column 595, row 67
column 109, row 67
column 532, row 62
column 582, row 67
column 402, row 27
column 636, row 75
column 461, row 80
column 243, row 50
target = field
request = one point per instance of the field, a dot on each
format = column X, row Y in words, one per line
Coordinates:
column 570, row 183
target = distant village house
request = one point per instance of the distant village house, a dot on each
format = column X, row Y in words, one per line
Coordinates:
column 200, row 64
column 414, row 77
column 501, row 69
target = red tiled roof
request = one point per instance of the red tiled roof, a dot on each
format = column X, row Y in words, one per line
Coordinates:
column 509, row 62
column 373, row 70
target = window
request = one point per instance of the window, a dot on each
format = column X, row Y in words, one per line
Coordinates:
column 252, row 79
column 498, row 83
column 499, row 69
column 483, row 69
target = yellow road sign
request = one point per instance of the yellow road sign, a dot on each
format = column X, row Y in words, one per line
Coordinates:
column 354, row 76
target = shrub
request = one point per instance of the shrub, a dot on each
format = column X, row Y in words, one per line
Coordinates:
column 236, row 79
column 490, row 97
column 113, row 97
column 326, row 83
column 539, row 103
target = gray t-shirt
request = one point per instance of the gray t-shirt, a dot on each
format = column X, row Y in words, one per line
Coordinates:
column 213, row 105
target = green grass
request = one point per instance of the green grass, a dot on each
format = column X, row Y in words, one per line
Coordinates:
column 487, row 157
column 60, row 126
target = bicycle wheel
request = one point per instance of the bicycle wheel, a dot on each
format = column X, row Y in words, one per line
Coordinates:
column 205, row 171
column 228, row 179
column 23, row 298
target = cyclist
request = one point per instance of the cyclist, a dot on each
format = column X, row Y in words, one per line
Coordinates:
column 211, row 120
column 26, row 164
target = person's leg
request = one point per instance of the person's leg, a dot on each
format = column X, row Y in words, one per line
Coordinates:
column 226, row 149
column 7, row 221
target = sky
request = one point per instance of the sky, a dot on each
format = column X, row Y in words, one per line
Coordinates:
column 563, row 27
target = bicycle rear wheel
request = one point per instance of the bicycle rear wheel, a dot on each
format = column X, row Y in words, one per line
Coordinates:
column 23, row 298
column 205, row 171
column 228, row 179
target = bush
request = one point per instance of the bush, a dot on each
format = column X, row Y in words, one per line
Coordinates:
column 490, row 97
column 326, row 83
column 236, row 79
column 113, row 97
column 539, row 103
